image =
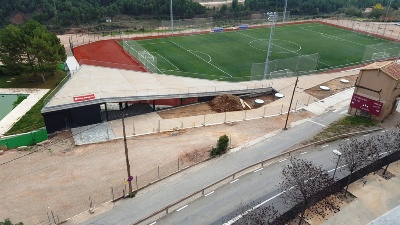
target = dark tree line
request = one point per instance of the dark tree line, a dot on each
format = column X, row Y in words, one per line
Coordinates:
column 66, row 13
column 315, row 6
column 74, row 12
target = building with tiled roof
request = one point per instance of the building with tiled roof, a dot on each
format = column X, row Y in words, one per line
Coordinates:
column 377, row 90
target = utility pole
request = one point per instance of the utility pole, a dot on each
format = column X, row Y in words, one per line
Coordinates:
column 128, row 166
column 291, row 100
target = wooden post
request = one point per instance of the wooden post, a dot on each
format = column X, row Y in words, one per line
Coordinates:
column 128, row 166
column 291, row 100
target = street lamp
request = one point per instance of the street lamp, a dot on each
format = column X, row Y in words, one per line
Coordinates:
column 336, row 152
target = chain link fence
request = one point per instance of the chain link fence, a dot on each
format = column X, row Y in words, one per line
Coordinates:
column 148, row 60
column 294, row 66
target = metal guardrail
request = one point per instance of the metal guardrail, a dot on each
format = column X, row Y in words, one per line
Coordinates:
column 202, row 192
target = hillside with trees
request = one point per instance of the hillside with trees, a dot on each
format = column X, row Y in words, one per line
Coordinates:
column 67, row 13
column 74, row 12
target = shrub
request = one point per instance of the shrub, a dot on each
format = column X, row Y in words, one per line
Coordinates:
column 8, row 222
column 222, row 146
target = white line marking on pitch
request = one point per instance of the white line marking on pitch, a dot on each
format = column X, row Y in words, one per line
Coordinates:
column 202, row 59
column 324, row 146
column 182, row 208
column 234, row 181
column 209, row 194
column 317, row 123
column 282, row 160
column 255, row 171
column 303, row 153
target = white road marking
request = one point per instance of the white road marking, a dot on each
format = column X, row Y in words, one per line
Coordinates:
column 282, row 160
column 153, row 223
column 383, row 131
column 336, row 168
column 324, row 146
column 382, row 153
column 255, row 171
column 182, row 208
column 234, row 181
column 303, row 153
column 249, row 210
column 365, row 135
column 209, row 194
column 317, row 123
column 347, row 139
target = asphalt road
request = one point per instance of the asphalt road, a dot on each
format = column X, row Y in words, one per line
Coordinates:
column 259, row 187
column 196, row 178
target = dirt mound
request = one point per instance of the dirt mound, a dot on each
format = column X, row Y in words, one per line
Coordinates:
column 226, row 103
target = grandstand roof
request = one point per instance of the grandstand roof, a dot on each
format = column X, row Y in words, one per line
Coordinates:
column 98, row 85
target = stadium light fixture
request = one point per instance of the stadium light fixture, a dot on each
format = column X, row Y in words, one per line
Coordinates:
column 272, row 16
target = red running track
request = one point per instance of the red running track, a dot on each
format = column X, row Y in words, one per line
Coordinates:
column 106, row 53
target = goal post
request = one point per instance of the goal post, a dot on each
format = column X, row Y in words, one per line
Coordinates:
column 298, row 65
column 148, row 60
column 381, row 51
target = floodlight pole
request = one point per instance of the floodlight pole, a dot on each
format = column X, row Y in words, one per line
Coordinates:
column 271, row 35
column 284, row 12
column 387, row 12
column 172, row 19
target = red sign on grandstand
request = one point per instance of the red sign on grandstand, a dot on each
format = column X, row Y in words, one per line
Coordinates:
column 365, row 104
column 84, row 98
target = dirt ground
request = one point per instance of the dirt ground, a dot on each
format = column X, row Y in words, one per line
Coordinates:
column 204, row 108
column 60, row 177
column 335, row 86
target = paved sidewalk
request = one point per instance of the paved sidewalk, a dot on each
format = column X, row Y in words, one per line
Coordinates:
column 374, row 198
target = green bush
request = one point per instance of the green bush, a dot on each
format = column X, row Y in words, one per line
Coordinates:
column 8, row 222
column 222, row 146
